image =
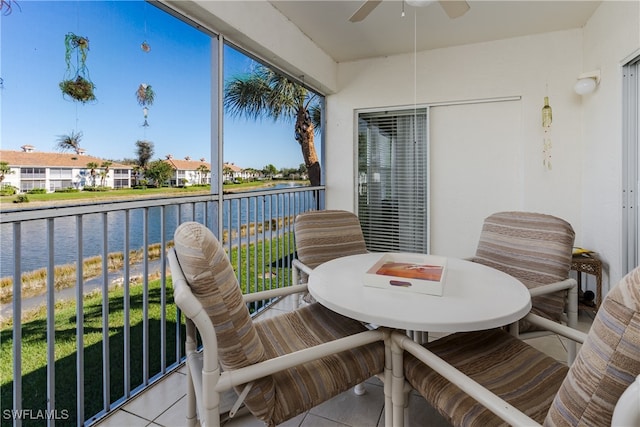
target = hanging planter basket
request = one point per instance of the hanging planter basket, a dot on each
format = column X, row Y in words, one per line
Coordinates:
column 78, row 89
column 77, row 86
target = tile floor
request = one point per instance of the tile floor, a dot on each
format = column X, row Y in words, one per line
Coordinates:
column 164, row 404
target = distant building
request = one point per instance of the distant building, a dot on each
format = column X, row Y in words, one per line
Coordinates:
column 232, row 172
column 189, row 172
column 51, row 171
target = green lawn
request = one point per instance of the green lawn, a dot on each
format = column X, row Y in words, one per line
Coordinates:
column 124, row 193
column 34, row 364
column 128, row 193
column 34, row 345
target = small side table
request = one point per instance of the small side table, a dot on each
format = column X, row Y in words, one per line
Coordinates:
column 589, row 265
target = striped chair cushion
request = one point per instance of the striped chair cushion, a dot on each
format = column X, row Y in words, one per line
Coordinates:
column 325, row 235
column 212, row 280
column 607, row 363
column 502, row 363
column 300, row 389
column 534, row 248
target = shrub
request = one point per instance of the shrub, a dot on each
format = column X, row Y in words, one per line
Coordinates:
column 37, row 191
column 8, row 190
column 96, row 188
column 22, row 198
column 67, row 190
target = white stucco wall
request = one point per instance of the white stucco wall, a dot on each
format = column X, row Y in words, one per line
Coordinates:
column 528, row 67
column 12, row 178
column 611, row 38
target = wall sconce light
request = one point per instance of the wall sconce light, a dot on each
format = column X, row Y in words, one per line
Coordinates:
column 587, row 82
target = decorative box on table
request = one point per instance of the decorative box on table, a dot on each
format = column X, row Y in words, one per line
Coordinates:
column 419, row 273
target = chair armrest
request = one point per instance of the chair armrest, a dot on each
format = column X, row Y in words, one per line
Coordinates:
column 492, row 402
column 558, row 328
column 273, row 293
column 553, row 287
column 235, row 377
column 300, row 266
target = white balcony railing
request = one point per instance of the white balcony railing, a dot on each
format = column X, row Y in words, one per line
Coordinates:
column 107, row 338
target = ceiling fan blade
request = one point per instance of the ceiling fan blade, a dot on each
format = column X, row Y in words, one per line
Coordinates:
column 454, row 9
column 364, row 10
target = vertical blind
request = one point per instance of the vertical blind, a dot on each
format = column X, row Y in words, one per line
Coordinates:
column 393, row 180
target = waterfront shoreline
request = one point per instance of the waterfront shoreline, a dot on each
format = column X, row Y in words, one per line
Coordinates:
column 94, row 284
column 6, row 202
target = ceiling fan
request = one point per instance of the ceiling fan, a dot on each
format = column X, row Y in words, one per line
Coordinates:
column 452, row 8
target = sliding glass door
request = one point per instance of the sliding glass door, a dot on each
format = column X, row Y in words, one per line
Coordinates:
column 393, row 180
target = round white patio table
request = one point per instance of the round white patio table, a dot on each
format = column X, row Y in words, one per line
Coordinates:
column 475, row 297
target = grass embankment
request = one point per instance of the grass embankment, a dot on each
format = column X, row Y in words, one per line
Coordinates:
column 34, row 339
column 34, row 283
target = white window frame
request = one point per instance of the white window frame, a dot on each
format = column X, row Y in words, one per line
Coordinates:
column 630, row 165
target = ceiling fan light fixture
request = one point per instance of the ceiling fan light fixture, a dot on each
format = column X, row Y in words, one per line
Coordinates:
column 419, row 3
column 453, row 8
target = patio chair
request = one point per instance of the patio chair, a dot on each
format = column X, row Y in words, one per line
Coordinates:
column 322, row 236
column 281, row 366
column 537, row 250
column 491, row 377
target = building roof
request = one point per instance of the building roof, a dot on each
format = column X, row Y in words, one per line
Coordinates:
column 187, row 164
column 48, row 160
column 233, row 167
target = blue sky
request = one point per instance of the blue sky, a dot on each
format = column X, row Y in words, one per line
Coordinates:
column 33, row 110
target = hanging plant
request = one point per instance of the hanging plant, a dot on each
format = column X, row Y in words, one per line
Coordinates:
column 547, row 118
column 145, row 47
column 77, row 84
column 145, row 96
column 6, row 6
column 79, row 89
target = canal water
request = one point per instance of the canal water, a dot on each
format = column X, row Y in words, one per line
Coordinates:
column 34, row 250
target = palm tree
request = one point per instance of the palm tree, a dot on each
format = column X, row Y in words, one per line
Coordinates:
column 265, row 93
column 137, row 170
column 144, row 151
column 103, row 177
column 203, row 170
column 105, row 173
column 69, row 142
column 4, row 170
column 92, row 166
column 227, row 171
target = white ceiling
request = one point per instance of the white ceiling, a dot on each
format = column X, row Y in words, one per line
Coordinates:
column 385, row 32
